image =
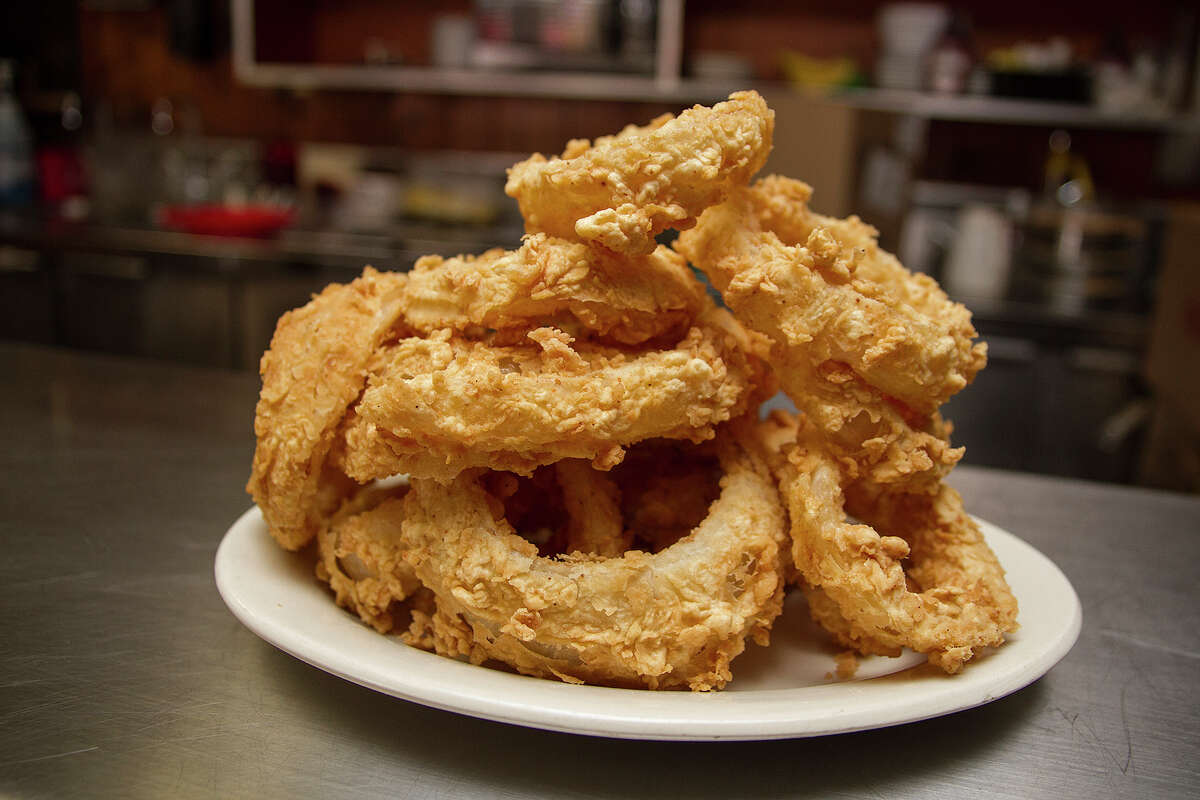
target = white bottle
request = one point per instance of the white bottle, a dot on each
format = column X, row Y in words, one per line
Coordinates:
column 16, row 146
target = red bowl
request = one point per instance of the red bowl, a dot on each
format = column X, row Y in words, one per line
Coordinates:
column 228, row 220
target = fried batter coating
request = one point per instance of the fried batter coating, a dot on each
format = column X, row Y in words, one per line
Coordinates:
column 828, row 614
column 509, row 385
column 868, row 350
column 627, row 300
column 673, row 619
column 593, row 506
column 434, row 407
column 831, row 290
column 666, row 491
column 361, row 550
column 625, row 189
column 875, row 439
column 315, row 369
column 360, row 556
column 918, row 574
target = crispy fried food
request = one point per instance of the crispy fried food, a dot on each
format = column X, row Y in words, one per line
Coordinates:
column 589, row 498
column 918, row 574
column 826, row 613
column 592, row 503
column 672, row 619
column 625, row 189
column 665, row 492
column 823, row 285
column 567, row 507
column 626, row 300
column 865, row 348
column 874, row 438
column 361, row 550
column 360, row 556
column 436, row 406
column 847, row 665
column 315, row 369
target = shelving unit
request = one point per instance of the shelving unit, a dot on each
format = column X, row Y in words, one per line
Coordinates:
column 1007, row 111
column 666, row 84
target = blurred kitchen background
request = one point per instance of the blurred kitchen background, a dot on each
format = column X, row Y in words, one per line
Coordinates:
column 175, row 174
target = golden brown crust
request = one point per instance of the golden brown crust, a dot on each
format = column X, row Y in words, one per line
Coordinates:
column 919, row 573
column 315, row 369
column 593, row 507
column 671, row 619
column 626, row 300
column 625, row 189
column 360, row 557
column 434, row 407
column 548, row 361
column 865, row 348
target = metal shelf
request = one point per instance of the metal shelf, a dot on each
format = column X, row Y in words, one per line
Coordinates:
column 567, row 85
column 664, row 85
column 1007, row 111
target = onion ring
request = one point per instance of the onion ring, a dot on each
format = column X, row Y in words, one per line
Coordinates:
column 628, row 300
column 672, row 619
column 875, row 439
column 866, row 349
column 627, row 188
column 436, row 406
column 316, row 367
column 361, row 550
column 828, row 614
column 949, row 600
column 593, row 508
column 824, row 286
column 360, row 556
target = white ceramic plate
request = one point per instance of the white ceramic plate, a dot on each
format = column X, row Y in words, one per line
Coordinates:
column 783, row 691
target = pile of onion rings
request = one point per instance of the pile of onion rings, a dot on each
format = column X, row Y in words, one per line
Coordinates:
column 550, row 459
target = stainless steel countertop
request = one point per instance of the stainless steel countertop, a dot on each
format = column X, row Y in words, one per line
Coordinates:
column 122, row 673
column 398, row 247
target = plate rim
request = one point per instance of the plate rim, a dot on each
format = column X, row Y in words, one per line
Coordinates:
column 436, row 682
